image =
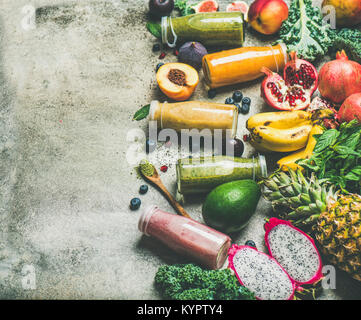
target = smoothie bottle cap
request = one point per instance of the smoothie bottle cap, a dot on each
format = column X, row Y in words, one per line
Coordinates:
column 263, row 165
column 165, row 22
column 153, row 107
column 145, row 217
column 284, row 50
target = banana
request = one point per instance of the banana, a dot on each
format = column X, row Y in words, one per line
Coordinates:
column 279, row 120
column 280, row 140
column 316, row 129
column 289, row 162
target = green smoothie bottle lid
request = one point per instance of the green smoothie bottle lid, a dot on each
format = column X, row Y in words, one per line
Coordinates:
column 263, row 165
column 165, row 22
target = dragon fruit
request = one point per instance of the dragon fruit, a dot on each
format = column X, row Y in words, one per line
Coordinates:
column 293, row 261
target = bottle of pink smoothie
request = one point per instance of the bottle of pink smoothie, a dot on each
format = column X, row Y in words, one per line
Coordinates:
column 186, row 236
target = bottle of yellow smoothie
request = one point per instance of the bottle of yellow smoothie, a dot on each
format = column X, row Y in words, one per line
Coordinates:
column 242, row 64
column 194, row 115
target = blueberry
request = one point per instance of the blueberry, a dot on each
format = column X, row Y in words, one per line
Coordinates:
column 143, row 189
column 250, row 243
column 238, row 107
column 237, row 96
column 246, row 100
column 158, row 66
column 229, row 101
column 212, row 93
column 245, row 108
column 150, row 145
column 135, row 203
column 233, row 147
column 156, row 47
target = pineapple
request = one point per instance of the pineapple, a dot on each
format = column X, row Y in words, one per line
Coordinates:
column 334, row 220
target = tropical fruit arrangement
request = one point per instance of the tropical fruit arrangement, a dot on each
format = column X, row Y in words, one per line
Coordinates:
column 313, row 125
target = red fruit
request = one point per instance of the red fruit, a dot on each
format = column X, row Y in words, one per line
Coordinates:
column 294, row 92
column 238, row 6
column 350, row 109
column 266, row 16
column 162, row 55
column 340, row 78
column 206, row 6
column 164, row 168
column 293, row 261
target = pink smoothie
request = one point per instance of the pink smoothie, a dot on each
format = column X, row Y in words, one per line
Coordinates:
column 186, row 236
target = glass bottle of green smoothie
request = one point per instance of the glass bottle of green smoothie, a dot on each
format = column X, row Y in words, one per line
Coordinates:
column 201, row 175
column 209, row 28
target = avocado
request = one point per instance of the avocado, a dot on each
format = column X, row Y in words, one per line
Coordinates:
column 229, row 206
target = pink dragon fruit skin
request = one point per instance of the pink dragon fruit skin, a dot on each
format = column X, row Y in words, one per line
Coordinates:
column 269, row 226
column 274, row 222
column 233, row 251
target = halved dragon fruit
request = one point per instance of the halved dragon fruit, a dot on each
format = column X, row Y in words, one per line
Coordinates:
column 293, row 261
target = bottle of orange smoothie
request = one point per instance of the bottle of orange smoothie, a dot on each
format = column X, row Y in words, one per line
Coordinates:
column 242, row 64
column 194, row 115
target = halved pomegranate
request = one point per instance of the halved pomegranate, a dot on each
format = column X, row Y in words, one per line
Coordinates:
column 294, row 91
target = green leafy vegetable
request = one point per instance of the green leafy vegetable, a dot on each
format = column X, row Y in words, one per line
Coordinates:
column 142, row 113
column 337, row 157
column 155, row 29
column 183, row 7
column 304, row 31
column 350, row 41
column 190, row 282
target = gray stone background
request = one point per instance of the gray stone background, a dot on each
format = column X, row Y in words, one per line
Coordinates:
column 70, row 82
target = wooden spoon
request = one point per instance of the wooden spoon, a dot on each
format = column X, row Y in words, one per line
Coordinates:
column 155, row 179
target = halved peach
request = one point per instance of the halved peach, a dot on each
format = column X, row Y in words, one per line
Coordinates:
column 177, row 80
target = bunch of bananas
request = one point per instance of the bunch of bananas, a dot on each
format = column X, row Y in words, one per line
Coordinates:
column 285, row 131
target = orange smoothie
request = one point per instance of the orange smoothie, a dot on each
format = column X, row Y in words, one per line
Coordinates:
column 242, row 64
column 194, row 115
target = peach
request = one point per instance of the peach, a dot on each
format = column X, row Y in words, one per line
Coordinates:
column 177, row 80
column 266, row 16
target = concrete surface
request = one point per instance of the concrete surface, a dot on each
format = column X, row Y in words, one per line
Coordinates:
column 70, row 82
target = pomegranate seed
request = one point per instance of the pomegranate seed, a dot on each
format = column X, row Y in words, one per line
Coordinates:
column 164, row 168
column 162, row 55
column 175, row 52
column 245, row 138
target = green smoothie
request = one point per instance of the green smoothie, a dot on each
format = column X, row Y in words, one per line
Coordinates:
column 201, row 175
column 210, row 29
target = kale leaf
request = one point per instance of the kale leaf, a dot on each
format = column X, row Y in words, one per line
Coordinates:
column 305, row 32
column 349, row 40
column 183, row 7
column 191, row 282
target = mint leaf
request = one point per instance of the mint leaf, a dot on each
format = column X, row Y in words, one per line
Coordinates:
column 155, row 29
column 326, row 139
column 142, row 113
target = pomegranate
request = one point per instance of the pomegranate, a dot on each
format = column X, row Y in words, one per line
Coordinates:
column 350, row 109
column 294, row 91
column 340, row 78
